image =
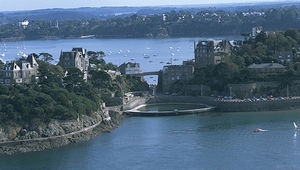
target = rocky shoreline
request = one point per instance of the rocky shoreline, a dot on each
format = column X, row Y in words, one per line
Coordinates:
column 56, row 134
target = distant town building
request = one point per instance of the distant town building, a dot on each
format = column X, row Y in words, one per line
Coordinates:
column 23, row 71
column 76, row 58
column 54, row 24
column 284, row 56
column 173, row 73
column 211, row 52
column 164, row 17
column 204, row 53
column 189, row 62
column 236, row 44
column 113, row 74
column 130, row 68
column 24, row 23
column 267, row 68
column 256, row 31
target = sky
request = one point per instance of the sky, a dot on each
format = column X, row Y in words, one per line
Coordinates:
column 13, row 5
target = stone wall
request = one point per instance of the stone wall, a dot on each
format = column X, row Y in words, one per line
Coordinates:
column 227, row 106
column 183, row 99
column 264, row 88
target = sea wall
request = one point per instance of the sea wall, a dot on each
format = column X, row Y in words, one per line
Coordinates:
column 228, row 106
column 184, row 99
column 97, row 125
column 275, row 88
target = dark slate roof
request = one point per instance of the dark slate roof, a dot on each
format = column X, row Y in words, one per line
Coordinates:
column 131, row 64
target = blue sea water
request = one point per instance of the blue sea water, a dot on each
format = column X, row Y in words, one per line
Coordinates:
column 201, row 141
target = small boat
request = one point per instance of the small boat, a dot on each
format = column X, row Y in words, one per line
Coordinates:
column 295, row 126
column 168, row 63
column 161, row 62
column 257, row 130
column 87, row 36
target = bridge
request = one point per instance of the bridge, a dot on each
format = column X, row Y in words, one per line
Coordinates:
column 146, row 74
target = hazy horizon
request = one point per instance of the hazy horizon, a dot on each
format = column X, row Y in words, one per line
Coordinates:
column 17, row 5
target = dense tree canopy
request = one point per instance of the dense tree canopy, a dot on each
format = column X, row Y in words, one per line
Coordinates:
column 171, row 24
column 62, row 94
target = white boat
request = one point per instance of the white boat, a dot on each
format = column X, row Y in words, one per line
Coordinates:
column 295, row 126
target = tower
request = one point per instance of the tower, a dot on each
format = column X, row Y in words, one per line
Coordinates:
column 204, row 53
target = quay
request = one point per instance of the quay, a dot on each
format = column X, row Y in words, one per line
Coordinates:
column 136, row 112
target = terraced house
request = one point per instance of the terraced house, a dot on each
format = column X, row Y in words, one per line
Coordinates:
column 22, row 71
column 76, row 58
column 211, row 52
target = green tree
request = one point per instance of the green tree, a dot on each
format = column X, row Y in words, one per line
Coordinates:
column 46, row 57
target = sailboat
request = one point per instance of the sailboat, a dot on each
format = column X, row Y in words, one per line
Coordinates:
column 295, row 126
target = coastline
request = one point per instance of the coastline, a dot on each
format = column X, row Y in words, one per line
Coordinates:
column 39, row 144
column 12, row 39
column 110, row 118
column 101, row 122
